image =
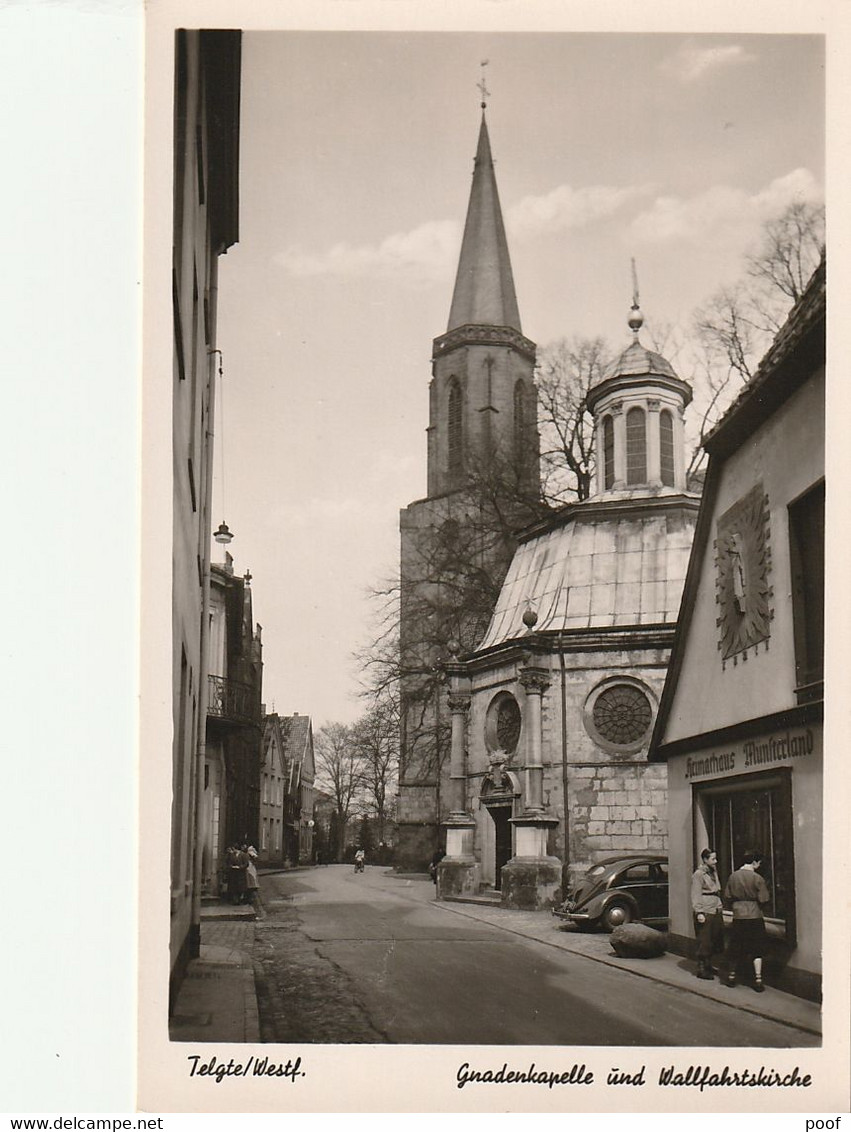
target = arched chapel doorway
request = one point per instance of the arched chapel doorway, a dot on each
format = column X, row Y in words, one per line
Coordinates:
column 499, row 791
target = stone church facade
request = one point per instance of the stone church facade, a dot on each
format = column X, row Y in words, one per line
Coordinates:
column 555, row 708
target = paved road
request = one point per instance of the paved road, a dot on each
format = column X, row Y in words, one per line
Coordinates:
column 371, row 957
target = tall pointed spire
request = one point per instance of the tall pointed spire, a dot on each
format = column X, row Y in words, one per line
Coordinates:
column 484, row 286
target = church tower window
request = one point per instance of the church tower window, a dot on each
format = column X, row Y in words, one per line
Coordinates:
column 608, row 452
column 519, row 424
column 636, row 447
column 456, row 439
column 666, row 447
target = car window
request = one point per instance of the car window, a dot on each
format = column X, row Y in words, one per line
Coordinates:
column 662, row 873
column 636, row 874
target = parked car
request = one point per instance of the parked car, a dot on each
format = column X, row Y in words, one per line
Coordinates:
column 619, row 890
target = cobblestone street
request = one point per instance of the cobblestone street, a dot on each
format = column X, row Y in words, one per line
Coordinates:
column 302, row 997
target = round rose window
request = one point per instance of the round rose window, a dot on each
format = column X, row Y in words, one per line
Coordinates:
column 508, row 724
column 621, row 715
column 502, row 723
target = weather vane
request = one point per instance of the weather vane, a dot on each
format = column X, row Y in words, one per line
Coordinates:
column 485, row 93
column 636, row 319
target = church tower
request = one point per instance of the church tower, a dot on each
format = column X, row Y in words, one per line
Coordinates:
column 483, row 482
column 483, row 402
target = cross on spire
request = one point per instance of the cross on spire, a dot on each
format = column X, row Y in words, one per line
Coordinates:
column 483, row 90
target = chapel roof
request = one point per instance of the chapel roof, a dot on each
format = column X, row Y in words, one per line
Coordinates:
column 599, row 569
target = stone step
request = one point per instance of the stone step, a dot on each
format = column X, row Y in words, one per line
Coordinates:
column 492, row 899
column 222, row 912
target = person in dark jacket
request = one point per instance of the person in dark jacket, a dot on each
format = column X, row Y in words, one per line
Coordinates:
column 747, row 894
column 437, row 857
column 708, row 915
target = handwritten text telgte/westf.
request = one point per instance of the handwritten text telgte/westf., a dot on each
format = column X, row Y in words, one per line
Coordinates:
column 254, row 1067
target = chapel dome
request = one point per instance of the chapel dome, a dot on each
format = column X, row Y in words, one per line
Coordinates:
column 641, row 370
column 638, row 360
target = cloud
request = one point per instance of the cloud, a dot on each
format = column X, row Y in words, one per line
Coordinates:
column 428, row 251
column 690, row 63
column 566, row 207
column 721, row 213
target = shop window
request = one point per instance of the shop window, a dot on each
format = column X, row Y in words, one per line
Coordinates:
column 666, row 448
column 755, row 813
column 608, row 453
column 806, row 548
column 636, row 447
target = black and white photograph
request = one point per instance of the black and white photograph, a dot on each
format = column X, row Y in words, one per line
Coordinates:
column 496, row 475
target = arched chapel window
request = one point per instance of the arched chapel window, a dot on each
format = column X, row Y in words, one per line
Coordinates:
column 519, row 423
column 636, row 447
column 608, row 452
column 456, row 439
column 666, row 447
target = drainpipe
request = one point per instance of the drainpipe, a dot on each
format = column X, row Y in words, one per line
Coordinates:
column 564, row 783
column 203, row 683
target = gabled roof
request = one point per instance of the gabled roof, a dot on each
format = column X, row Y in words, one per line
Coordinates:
column 297, row 735
column 484, row 286
column 796, row 353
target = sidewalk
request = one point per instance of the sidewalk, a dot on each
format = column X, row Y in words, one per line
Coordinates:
column 671, row 969
column 217, row 1001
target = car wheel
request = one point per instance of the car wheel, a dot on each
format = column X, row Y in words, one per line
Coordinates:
column 616, row 914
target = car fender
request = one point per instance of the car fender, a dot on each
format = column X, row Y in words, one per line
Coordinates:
column 617, row 895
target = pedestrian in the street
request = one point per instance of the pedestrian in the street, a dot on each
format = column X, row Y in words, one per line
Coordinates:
column 236, row 867
column 708, row 914
column 252, row 882
column 747, row 894
column 436, row 858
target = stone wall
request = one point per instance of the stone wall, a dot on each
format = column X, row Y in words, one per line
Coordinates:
column 617, row 802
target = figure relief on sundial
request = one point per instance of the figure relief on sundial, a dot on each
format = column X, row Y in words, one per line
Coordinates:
column 743, row 564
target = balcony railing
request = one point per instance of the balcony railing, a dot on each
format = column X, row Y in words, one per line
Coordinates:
column 229, row 699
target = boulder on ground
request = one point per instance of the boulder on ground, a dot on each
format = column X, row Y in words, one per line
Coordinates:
column 638, row 941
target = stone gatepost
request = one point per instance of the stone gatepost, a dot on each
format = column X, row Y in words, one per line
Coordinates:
column 458, row 872
column 532, row 879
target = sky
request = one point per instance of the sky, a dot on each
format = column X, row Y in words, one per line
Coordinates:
column 356, row 158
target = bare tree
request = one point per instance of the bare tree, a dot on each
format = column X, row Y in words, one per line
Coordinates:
column 791, row 247
column 339, row 773
column 567, row 369
column 736, row 326
column 376, row 735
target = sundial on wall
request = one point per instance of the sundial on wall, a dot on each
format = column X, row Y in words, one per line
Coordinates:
column 743, row 563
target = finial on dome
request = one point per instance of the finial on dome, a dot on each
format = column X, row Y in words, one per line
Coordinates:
column 485, row 93
column 530, row 617
column 636, row 318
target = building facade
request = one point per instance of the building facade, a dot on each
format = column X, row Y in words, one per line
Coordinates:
column 287, row 820
column 552, row 714
column 483, row 483
column 273, row 778
column 230, row 793
column 740, row 724
column 206, row 148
